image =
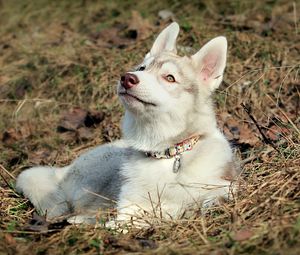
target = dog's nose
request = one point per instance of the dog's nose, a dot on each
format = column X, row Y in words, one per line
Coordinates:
column 129, row 80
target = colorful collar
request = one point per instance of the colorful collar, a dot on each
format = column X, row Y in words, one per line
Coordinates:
column 175, row 151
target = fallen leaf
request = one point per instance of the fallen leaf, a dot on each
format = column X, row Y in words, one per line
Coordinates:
column 111, row 37
column 69, row 137
column 268, row 154
column 72, row 120
column 242, row 235
column 147, row 243
column 75, row 123
column 121, row 34
column 84, row 133
column 21, row 87
column 239, row 133
column 37, row 224
column 13, row 135
column 9, row 239
column 77, row 118
column 139, row 28
column 10, row 136
column 93, row 118
column 42, row 156
column 275, row 132
column 247, row 135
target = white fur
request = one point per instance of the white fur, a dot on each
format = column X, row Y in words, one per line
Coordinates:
column 39, row 182
column 211, row 61
column 121, row 171
column 166, row 40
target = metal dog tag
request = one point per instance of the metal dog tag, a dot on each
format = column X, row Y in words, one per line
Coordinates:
column 176, row 164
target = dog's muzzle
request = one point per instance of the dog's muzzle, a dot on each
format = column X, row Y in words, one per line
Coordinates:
column 129, row 80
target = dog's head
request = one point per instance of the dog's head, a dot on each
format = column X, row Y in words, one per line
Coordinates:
column 167, row 97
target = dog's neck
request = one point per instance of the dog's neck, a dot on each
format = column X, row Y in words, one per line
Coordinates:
column 176, row 149
column 153, row 139
column 155, row 135
column 143, row 134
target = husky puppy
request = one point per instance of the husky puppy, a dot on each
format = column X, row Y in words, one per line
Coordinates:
column 172, row 156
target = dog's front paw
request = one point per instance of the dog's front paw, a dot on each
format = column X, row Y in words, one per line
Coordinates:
column 118, row 226
column 122, row 226
column 82, row 219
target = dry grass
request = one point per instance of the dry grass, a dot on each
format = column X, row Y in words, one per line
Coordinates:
column 55, row 56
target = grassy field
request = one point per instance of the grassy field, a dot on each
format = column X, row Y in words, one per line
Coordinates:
column 59, row 63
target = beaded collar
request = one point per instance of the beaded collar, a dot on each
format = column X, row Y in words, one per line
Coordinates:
column 175, row 151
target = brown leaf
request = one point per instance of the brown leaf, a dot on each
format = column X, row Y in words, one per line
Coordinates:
column 4, row 86
column 4, row 79
column 40, row 224
column 77, row 118
column 230, row 126
column 111, row 37
column 9, row 239
column 37, row 224
column 242, row 235
column 42, row 156
column 12, row 135
column 72, row 120
column 93, row 118
column 275, row 132
column 69, row 137
column 85, row 133
column 237, row 132
column 122, row 35
column 25, row 130
column 247, row 136
column 147, row 243
column 21, row 87
column 139, row 28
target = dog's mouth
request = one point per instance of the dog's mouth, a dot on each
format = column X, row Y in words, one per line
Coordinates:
column 126, row 94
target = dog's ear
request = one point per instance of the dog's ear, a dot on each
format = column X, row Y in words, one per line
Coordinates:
column 166, row 40
column 210, row 60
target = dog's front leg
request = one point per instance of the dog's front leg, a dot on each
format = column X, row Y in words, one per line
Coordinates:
column 128, row 217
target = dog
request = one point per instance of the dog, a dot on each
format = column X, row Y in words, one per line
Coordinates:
column 172, row 156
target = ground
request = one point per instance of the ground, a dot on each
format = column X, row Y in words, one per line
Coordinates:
column 60, row 61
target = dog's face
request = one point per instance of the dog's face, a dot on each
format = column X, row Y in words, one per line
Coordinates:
column 166, row 93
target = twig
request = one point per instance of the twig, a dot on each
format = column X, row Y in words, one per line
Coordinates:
column 265, row 139
column 257, row 70
column 286, row 116
column 4, row 179
column 29, row 232
column 7, row 172
column 98, row 195
column 152, row 205
column 30, row 100
column 202, row 237
column 295, row 17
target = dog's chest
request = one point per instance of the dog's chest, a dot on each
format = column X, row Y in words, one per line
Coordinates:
column 149, row 180
column 149, row 171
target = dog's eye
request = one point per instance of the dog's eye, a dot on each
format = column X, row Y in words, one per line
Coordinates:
column 141, row 68
column 170, row 78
